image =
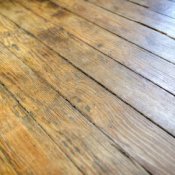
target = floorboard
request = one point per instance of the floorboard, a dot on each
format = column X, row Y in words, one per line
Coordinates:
column 77, row 96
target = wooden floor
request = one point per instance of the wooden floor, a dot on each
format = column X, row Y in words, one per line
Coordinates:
column 87, row 87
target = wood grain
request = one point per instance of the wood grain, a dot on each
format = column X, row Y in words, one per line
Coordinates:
column 139, row 14
column 155, row 69
column 87, row 147
column 119, row 80
column 148, row 39
column 164, row 7
column 77, row 99
column 28, row 148
column 136, row 136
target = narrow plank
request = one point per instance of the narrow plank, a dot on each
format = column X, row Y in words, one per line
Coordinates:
column 140, row 35
column 135, row 135
column 164, row 7
column 139, row 14
column 27, row 146
column 91, row 151
column 153, row 68
column 119, row 80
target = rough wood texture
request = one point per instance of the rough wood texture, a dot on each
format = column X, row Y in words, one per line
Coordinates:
column 112, row 75
column 29, row 149
column 155, row 69
column 80, row 140
column 70, row 106
column 140, row 35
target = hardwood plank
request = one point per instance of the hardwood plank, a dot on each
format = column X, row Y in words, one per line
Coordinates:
column 164, row 7
column 87, row 147
column 29, row 149
column 135, row 135
column 139, row 14
column 153, row 68
column 116, row 78
column 147, row 38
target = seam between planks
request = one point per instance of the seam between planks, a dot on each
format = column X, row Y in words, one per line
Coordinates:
column 122, row 65
column 141, row 23
column 98, row 26
column 73, row 36
column 86, row 117
column 107, row 31
column 145, row 6
column 150, row 8
column 107, row 89
column 29, row 114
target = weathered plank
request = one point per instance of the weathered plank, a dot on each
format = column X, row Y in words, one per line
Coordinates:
column 139, row 14
column 28, row 147
column 138, row 137
column 164, row 7
column 138, row 34
column 135, row 90
column 145, row 64
column 91, row 151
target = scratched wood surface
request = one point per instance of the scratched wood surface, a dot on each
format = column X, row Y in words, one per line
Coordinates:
column 87, row 87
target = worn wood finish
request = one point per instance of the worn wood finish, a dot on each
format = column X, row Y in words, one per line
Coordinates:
column 140, row 35
column 139, row 14
column 29, row 149
column 165, row 7
column 69, row 106
column 122, row 81
column 81, row 141
column 155, row 69
column 81, row 91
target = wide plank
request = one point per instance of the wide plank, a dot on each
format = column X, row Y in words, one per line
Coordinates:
column 116, row 78
column 149, row 66
column 139, row 14
column 165, row 7
column 140, row 35
column 132, row 133
column 90, row 150
column 28, row 148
